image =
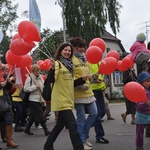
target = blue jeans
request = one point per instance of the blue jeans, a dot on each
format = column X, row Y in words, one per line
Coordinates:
column 84, row 124
column 101, row 112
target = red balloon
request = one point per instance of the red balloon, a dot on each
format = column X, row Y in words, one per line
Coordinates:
column 120, row 66
column 93, row 54
column 26, row 60
column 16, row 36
column 98, row 42
column 126, row 62
column 42, row 66
column 19, row 47
column 113, row 53
column 11, row 58
column 29, row 31
column 102, row 67
column 47, row 64
column 135, row 92
column 39, row 62
column 107, row 66
column 130, row 65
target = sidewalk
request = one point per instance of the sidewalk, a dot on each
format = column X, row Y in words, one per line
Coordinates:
column 120, row 135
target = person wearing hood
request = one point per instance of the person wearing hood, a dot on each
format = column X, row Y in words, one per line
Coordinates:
column 140, row 54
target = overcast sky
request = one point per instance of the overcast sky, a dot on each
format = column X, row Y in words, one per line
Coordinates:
column 134, row 18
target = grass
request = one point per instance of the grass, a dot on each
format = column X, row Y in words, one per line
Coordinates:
column 116, row 100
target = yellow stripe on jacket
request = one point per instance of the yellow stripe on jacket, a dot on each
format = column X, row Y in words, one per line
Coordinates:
column 15, row 96
column 97, row 86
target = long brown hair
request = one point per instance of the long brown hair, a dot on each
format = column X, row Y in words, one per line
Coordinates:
column 60, row 48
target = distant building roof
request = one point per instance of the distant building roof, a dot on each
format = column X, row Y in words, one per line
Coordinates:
column 106, row 36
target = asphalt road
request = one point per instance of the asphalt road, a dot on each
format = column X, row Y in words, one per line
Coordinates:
column 121, row 135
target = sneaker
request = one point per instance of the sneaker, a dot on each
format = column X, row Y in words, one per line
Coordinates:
column 88, row 143
column 86, row 147
column 102, row 140
column 39, row 127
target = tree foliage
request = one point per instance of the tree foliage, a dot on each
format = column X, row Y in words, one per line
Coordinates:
column 88, row 18
column 50, row 43
column 8, row 15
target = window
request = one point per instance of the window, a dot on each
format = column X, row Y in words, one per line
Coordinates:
column 117, row 77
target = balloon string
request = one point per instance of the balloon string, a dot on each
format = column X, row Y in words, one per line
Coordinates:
column 47, row 50
column 133, row 78
column 44, row 53
column 10, row 72
column 45, row 46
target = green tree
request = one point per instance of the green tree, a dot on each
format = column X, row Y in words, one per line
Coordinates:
column 8, row 15
column 88, row 18
column 47, row 48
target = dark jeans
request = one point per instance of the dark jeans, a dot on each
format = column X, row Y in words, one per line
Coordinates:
column 2, row 130
column 65, row 118
column 18, row 113
column 101, row 113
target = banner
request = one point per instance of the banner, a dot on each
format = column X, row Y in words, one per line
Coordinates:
column 34, row 13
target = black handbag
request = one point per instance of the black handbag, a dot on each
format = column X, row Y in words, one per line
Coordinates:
column 4, row 107
column 24, row 95
column 47, row 90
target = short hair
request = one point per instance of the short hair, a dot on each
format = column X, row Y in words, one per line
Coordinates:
column 34, row 67
column 77, row 42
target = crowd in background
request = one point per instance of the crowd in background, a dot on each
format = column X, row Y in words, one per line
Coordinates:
column 76, row 85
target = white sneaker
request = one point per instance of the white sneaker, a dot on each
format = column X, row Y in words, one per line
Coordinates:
column 88, row 143
column 39, row 127
column 86, row 147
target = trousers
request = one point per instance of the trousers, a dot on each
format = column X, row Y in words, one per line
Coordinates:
column 65, row 118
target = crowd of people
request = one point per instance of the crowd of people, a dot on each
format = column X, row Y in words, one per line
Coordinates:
column 75, row 85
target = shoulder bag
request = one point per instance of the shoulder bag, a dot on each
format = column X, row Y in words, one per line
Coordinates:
column 4, row 107
column 25, row 95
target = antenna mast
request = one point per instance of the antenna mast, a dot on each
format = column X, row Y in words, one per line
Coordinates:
column 146, row 27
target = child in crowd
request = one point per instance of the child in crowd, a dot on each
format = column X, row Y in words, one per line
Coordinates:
column 142, row 110
column 140, row 54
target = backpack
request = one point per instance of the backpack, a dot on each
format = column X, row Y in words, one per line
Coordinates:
column 47, row 90
column 142, row 61
column 48, row 84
